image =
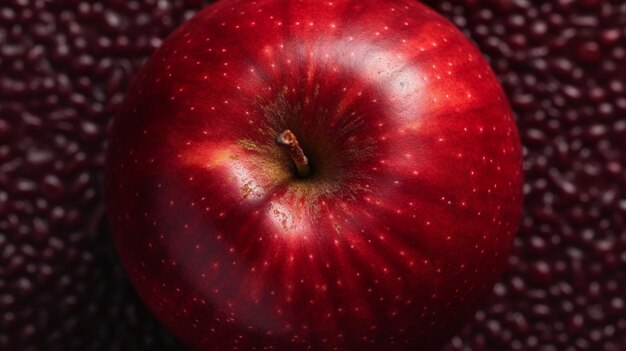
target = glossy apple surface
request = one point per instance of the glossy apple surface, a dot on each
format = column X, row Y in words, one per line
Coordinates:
column 389, row 243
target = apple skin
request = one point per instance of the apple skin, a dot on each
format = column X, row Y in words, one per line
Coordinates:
column 404, row 223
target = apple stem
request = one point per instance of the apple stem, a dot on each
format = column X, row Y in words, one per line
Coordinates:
column 289, row 141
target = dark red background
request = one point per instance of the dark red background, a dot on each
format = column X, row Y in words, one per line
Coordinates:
column 64, row 68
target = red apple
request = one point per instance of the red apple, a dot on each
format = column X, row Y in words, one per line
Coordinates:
column 314, row 175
